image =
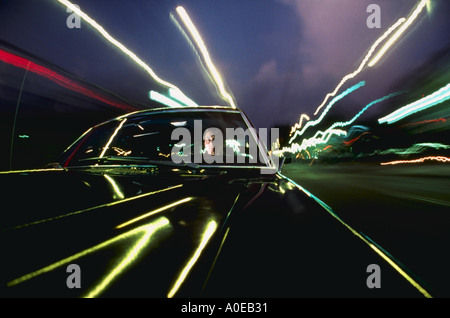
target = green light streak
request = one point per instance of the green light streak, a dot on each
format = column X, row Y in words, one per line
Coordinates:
column 426, row 102
column 115, row 187
column 414, row 149
column 333, row 101
column 371, row 244
column 314, row 141
column 326, row 135
column 349, row 122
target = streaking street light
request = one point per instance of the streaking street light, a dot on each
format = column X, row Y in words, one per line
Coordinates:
column 160, row 98
column 119, row 45
column 431, row 100
column 399, row 32
column 175, row 93
column 210, row 65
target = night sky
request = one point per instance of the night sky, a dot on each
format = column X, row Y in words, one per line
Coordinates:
column 279, row 58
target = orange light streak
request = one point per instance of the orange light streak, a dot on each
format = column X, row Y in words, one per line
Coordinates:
column 437, row 158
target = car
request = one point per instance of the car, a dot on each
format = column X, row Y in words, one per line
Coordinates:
column 137, row 207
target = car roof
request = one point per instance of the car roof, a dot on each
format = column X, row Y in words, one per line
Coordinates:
column 151, row 111
column 179, row 109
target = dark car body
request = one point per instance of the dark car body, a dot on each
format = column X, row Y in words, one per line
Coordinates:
column 156, row 229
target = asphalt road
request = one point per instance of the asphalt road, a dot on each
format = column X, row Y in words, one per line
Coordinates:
column 403, row 208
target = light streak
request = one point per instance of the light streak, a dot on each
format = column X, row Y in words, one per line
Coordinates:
column 210, row 229
column 98, row 206
column 115, row 187
column 112, row 137
column 309, row 155
column 426, row 102
column 299, row 124
column 406, row 23
column 118, row 150
column 178, row 123
column 315, row 140
column 416, row 148
column 79, row 142
column 399, row 32
column 363, row 63
column 212, row 69
column 333, row 101
column 202, row 64
column 31, row 170
column 234, row 144
column 132, row 255
column 349, row 122
column 146, row 215
column 175, row 93
column 331, row 130
column 145, row 231
column 366, row 240
column 435, row 158
column 144, row 135
column 119, row 45
column 163, row 99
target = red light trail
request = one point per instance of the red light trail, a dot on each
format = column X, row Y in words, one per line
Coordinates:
column 21, row 62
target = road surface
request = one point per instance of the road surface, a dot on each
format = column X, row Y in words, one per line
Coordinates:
column 403, row 208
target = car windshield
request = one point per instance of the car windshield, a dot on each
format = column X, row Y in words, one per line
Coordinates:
column 200, row 137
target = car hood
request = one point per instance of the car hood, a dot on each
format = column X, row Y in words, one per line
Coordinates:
column 152, row 232
column 108, row 221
